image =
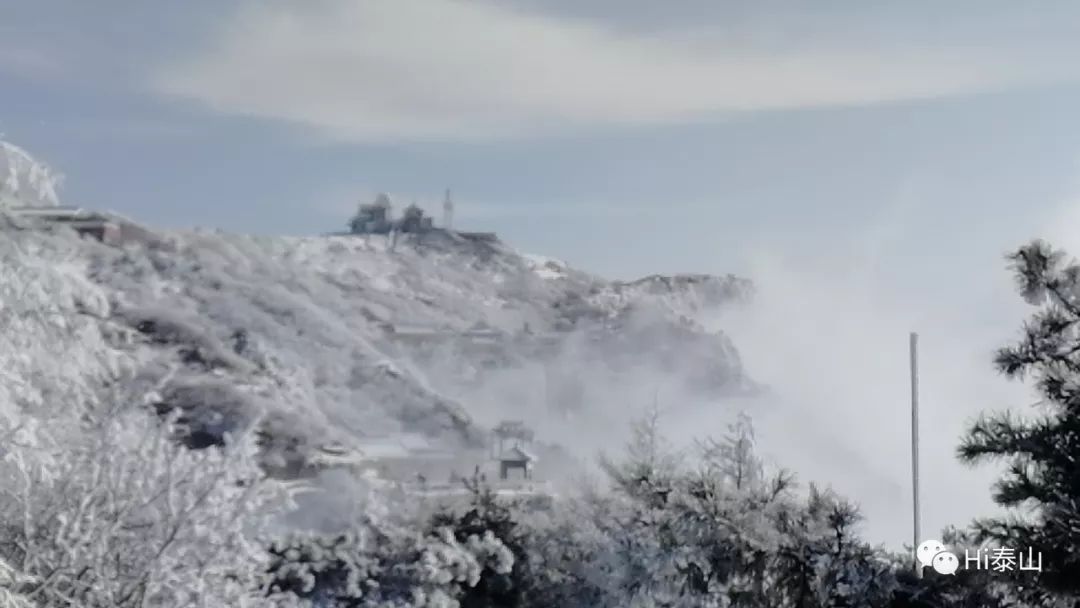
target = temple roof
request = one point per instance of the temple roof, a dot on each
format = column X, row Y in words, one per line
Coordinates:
column 516, row 454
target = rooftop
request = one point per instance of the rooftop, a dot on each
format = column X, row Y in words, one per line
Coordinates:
column 517, row 454
column 50, row 212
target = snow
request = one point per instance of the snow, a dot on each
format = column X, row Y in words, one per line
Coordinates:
column 321, row 286
column 401, row 446
column 314, row 312
column 24, row 181
column 545, row 267
column 317, row 358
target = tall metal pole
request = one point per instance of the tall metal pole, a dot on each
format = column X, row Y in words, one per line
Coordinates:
column 915, row 445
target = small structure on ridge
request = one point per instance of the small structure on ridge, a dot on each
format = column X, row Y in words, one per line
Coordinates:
column 516, row 457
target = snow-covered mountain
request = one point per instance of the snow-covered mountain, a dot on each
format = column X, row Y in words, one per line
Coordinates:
column 25, row 180
column 351, row 339
column 347, row 338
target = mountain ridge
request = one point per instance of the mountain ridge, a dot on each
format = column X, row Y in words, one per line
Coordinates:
column 317, row 336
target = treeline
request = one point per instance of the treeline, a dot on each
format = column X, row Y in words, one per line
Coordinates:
column 103, row 507
column 714, row 529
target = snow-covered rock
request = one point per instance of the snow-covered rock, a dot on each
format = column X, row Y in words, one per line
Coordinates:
column 545, row 267
column 25, row 181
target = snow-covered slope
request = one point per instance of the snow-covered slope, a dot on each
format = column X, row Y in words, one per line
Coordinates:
column 342, row 338
column 25, row 180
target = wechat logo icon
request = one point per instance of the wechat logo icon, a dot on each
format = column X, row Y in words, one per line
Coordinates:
column 933, row 553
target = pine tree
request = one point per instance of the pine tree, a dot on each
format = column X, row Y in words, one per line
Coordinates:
column 649, row 466
column 497, row 586
column 1041, row 486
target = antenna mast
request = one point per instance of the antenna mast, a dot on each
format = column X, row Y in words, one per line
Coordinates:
column 915, row 443
column 448, row 211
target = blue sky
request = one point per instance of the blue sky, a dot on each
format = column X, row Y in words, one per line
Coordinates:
column 867, row 161
column 845, row 113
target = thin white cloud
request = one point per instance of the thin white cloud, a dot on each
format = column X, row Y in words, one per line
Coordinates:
column 29, row 62
column 139, row 129
column 1060, row 226
column 383, row 70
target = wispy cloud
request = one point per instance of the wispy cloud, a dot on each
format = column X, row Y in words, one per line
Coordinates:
column 27, row 62
column 127, row 128
column 1061, row 224
column 446, row 69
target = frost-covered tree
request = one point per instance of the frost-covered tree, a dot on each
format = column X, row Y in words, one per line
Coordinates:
column 721, row 529
column 25, row 181
column 100, row 506
column 53, row 345
column 1041, row 487
column 821, row 561
column 124, row 515
column 11, row 584
column 561, row 558
column 387, row 557
column 371, row 566
column 649, row 466
column 500, row 583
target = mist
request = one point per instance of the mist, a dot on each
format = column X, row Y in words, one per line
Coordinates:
column 827, row 333
column 826, row 336
column 586, row 397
